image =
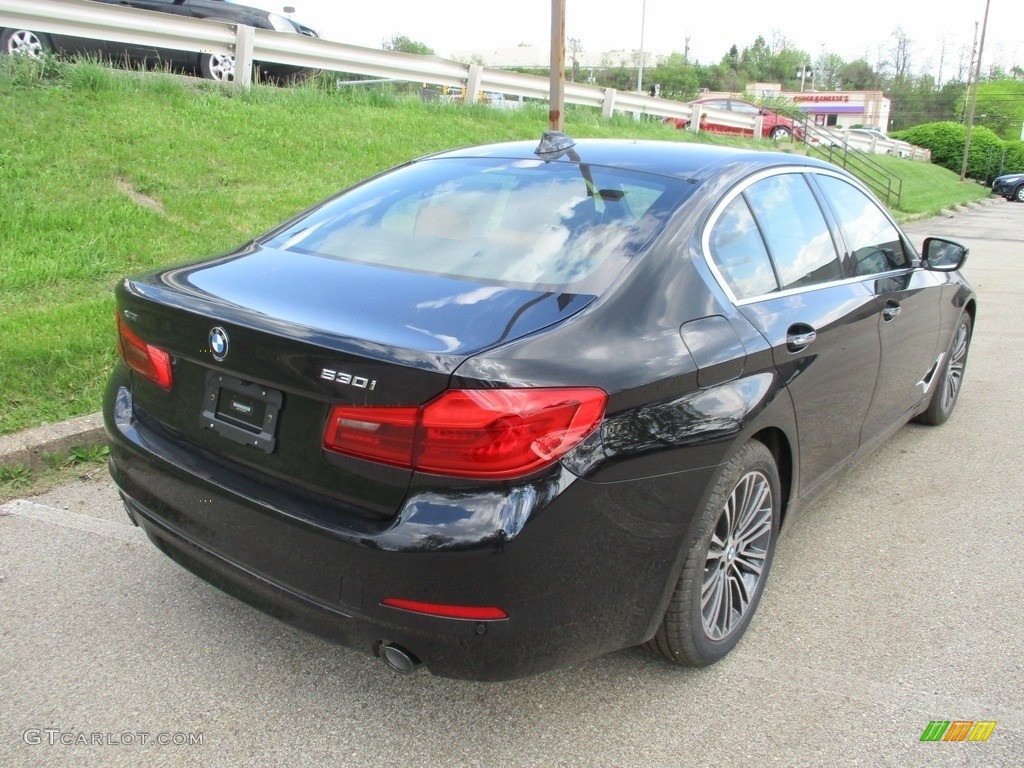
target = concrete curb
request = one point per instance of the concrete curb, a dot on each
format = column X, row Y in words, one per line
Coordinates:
column 26, row 448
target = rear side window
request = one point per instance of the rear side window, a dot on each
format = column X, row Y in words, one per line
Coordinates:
column 521, row 222
column 875, row 244
column 747, row 109
column 739, row 253
column 794, row 229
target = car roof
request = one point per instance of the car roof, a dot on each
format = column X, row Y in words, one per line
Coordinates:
column 683, row 160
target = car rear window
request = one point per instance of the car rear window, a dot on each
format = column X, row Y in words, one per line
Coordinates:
column 521, row 222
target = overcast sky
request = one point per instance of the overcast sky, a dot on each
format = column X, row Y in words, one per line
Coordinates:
column 849, row 28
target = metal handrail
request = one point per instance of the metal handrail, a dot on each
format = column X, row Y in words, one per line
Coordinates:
column 882, row 182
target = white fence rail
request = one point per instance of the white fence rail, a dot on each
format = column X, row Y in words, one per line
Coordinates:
column 82, row 18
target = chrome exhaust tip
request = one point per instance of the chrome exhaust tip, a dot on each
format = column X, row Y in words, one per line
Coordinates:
column 398, row 658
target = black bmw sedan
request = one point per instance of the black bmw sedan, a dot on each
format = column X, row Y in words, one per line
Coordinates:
column 510, row 407
column 213, row 65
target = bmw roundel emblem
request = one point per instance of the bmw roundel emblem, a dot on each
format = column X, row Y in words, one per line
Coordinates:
column 218, row 343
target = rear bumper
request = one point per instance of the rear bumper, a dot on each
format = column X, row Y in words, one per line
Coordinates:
column 580, row 568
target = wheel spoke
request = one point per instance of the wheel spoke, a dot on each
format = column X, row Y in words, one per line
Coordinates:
column 713, row 604
column 740, row 584
column 728, row 513
column 756, row 518
column 711, row 589
column 717, row 544
column 960, row 348
column 751, row 562
column 754, row 532
column 744, row 504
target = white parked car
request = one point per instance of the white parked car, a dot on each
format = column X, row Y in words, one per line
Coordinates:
column 873, row 140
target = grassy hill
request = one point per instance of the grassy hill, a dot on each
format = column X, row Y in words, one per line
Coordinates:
column 104, row 173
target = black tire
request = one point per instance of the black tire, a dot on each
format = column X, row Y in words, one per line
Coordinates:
column 1018, row 194
column 951, row 377
column 729, row 561
column 780, row 134
column 217, row 66
column 25, row 42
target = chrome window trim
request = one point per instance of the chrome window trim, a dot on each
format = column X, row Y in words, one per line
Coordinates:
column 705, row 240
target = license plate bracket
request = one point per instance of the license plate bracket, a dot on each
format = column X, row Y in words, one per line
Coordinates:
column 241, row 411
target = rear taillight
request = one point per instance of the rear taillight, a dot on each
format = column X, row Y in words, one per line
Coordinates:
column 476, row 433
column 152, row 362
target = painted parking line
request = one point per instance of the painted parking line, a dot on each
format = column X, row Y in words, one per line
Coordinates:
column 75, row 520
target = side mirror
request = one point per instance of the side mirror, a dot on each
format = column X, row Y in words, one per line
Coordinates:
column 942, row 255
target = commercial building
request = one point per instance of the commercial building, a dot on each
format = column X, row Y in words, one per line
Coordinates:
column 831, row 109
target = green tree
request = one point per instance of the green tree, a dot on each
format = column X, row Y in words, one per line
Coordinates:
column 727, row 75
column 1000, row 106
column 828, row 72
column 786, row 68
column 678, row 79
column 945, row 103
column 757, row 60
column 407, row 45
column 858, row 76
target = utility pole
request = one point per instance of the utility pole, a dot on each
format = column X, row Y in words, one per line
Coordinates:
column 974, row 96
column 556, row 109
column 970, row 74
column 640, row 70
column 942, row 60
column 805, row 70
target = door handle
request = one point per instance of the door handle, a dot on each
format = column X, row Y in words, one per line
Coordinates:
column 800, row 337
column 891, row 311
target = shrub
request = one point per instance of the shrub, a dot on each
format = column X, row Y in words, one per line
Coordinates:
column 1013, row 161
column 946, row 141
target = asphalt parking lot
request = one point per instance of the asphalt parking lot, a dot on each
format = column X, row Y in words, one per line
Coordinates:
column 894, row 601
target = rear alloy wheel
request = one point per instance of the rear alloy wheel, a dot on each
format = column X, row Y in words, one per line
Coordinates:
column 725, row 571
column 24, row 42
column 951, row 377
column 218, row 66
column 780, row 134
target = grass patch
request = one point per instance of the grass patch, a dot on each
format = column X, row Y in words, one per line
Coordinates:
column 82, row 462
column 105, row 172
column 926, row 192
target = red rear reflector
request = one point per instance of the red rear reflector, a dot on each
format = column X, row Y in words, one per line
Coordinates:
column 152, row 362
column 478, row 612
column 381, row 433
column 478, row 433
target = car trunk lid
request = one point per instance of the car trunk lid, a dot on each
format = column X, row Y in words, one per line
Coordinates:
column 263, row 344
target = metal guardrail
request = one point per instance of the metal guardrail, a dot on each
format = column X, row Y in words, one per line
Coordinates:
column 81, row 18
